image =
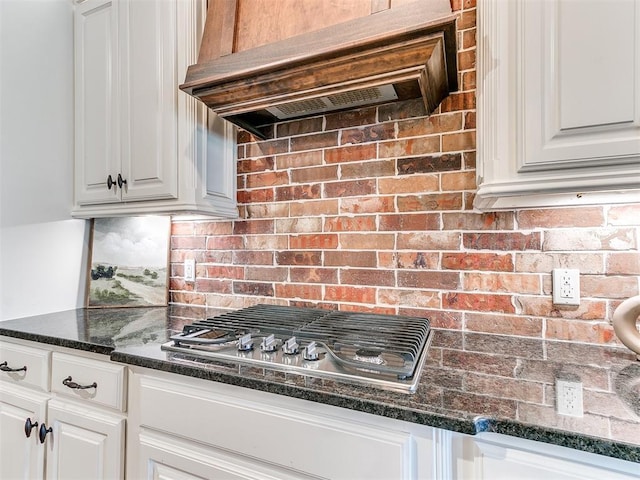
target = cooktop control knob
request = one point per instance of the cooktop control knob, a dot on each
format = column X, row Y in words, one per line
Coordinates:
column 290, row 346
column 310, row 352
column 245, row 343
column 269, row 344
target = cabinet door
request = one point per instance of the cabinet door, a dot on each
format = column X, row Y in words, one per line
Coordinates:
column 149, row 99
column 96, row 101
column 21, row 457
column 581, row 84
column 170, row 458
column 497, row 457
column 219, row 164
column 558, row 103
column 84, row 443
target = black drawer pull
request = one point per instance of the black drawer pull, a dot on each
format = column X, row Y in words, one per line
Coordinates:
column 68, row 383
column 5, row 368
column 28, row 426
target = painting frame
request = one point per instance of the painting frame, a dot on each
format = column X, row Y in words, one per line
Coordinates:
column 128, row 262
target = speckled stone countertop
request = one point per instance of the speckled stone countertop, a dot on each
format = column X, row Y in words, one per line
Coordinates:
column 471, row 383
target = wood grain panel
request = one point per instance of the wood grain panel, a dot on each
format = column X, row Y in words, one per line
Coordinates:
column 219, row 30
column 379, row 5
column 260, row 22
column 399, row 3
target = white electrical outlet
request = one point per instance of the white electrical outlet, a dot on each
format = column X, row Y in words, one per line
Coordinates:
column 566, row 286
column 190, row 270
column 569, row 398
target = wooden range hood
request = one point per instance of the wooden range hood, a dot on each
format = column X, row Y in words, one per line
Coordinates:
column 395, row 54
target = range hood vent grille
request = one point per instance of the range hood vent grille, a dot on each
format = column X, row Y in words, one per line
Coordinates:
column 337, row 101
column 401, row 53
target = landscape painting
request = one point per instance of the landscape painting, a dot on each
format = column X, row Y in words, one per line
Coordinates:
column 128, row 261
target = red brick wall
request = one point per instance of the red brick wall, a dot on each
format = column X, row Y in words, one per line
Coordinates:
column 372, row 209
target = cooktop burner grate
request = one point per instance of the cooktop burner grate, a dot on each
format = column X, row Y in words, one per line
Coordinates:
column 403, row 336
column 371, row 344
column 264, row 318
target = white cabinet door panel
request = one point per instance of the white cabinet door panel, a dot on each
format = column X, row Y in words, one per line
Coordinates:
column 164, row 457
column 149, row 99
column 581, row 86
column 558, row 103
column 597, row 52
column 500, row 457
column 85, row 443
column 219, row 163
column 96, row 108
column 21, row 457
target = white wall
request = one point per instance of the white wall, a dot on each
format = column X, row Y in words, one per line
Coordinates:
column 42, row 250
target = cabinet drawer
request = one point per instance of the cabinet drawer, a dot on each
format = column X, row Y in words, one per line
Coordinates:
column 109, row 379
column 32, row 365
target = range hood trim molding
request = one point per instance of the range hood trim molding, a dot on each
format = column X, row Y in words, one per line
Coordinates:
column 271, row 86
column 362, row 52
column 291, row 52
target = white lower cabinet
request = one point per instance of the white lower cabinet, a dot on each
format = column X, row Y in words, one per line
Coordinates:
column 78, row 425
column 187, row 428
column 184, row 428
column 21, row 456
column 85, row 443
column 491, row 456
column 24, row 387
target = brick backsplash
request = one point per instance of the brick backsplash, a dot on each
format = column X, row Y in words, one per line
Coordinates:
column 372, row 209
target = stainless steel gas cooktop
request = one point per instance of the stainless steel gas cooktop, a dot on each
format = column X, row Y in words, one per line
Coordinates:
column 384, row 351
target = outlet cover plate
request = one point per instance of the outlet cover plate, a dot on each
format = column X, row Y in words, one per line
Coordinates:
column 569, row 398
column 190, row 270
column 566, row 286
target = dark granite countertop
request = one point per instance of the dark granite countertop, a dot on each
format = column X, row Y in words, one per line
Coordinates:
column 472, row 382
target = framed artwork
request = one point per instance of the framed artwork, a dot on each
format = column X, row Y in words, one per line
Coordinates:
column 128, row 262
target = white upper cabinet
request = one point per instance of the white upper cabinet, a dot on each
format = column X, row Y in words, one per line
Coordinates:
column 96, row 108
column 558, row 102
column 142, row 145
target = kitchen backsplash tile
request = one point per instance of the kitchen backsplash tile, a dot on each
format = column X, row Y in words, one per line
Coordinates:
column 372, row 209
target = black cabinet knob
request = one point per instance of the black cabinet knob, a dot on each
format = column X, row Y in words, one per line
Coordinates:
column 110, row 182
column 43, row 432
column 28, row 426
column 121, row 181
